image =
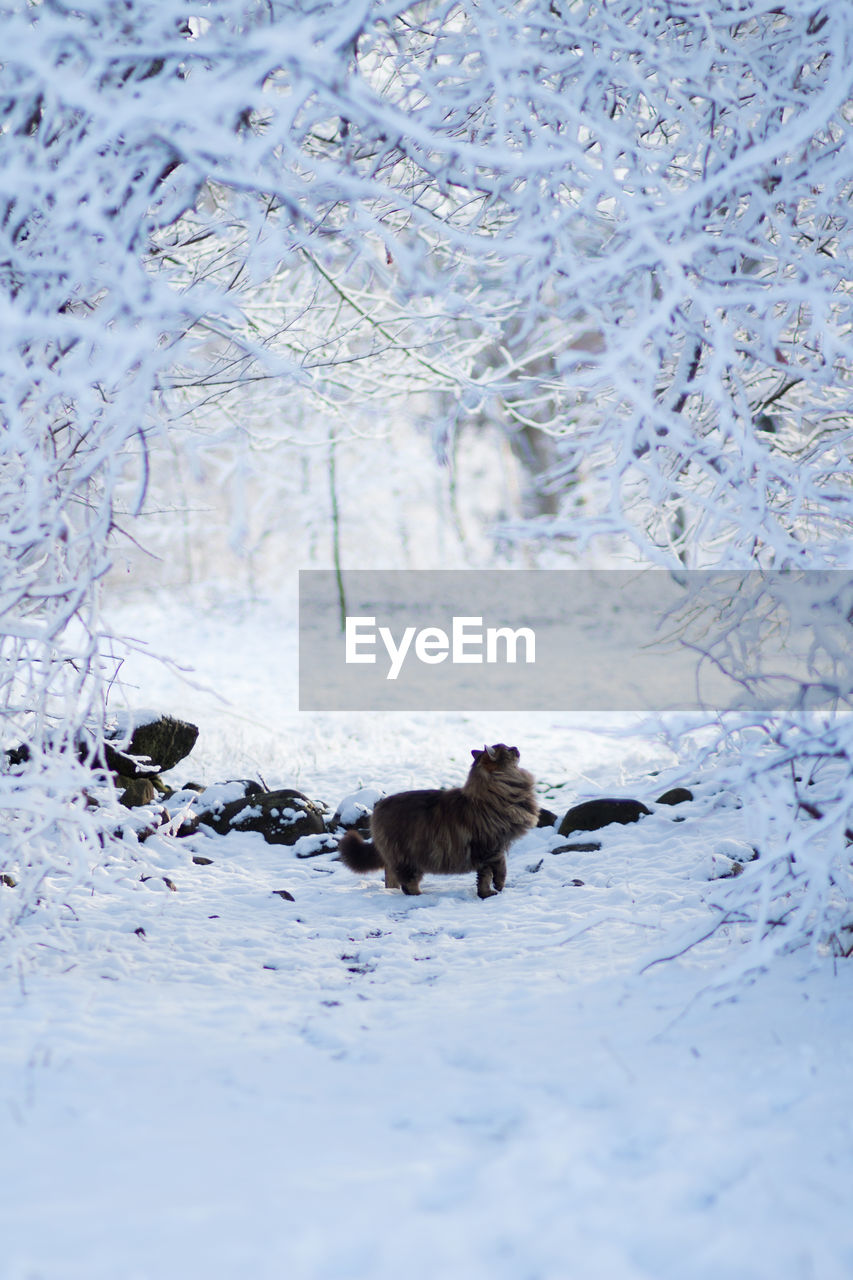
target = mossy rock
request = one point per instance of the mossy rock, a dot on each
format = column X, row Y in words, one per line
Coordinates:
column 154, row 745
column 281, row 817
column 137, row 792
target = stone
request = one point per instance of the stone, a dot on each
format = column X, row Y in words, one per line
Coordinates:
column 188, row 827
column 155, row 880
column 592, row 815
column 546, row 818
column 149, row 744
column 353, row 813
column 219, row 794
column 580, row 846
column 313, row 846
column 193, row 800
column 17, row 756
column 137, row 792
column 281, row 817
column 675, row 795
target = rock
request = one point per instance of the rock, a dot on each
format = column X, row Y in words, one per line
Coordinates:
column 354, row 811
column 592, row 815
column 16, row 756
column 137, row 791
column 188, row 827
column 201, row 861
column 149, row 743
column 588, row 846
column 726, row 860
column 136, row 745
column 159, row 823
column 546, row 818
column 718, row 867
column 285, row 894
column 312, row 846
column 676, row 795
column 154, row 881
column 219, row 794
column 281, row 817
column 193, row 800
column 737, row 850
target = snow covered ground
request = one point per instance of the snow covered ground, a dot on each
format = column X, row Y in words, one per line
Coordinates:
column 220, row 1082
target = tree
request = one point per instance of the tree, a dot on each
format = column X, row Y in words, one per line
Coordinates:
column 713, row 422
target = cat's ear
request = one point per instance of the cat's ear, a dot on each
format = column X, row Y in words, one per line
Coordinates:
column 476, row 754
column 514, row 751
column 491, row 752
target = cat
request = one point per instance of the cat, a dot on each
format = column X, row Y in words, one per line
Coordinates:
column 467, row 828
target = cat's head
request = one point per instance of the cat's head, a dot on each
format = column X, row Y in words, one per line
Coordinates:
column 497, row 756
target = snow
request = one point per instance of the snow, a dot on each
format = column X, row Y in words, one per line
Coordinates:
column 358, row 1084
column 217, row 796
column 122, row 723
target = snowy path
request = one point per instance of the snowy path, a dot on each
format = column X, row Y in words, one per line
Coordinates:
column 356, row 1084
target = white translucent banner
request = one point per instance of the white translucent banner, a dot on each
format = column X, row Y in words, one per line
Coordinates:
column 573, row 640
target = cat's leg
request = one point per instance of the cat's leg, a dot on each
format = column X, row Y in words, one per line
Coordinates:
column 408, row 877
column 484, row 882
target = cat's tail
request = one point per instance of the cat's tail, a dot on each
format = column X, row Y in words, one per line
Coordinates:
column 359, row 854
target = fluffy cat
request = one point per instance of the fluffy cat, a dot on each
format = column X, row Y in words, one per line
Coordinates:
column 467, row 828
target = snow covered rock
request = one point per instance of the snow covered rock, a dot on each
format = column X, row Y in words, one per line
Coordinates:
column 281, row 817
column 138, row 744
column 716, row 866
column 355, row 810
column 148, row 743
column 194, row 802
column 591, row 815
column 313, row 846
column 726, row 860
column 215, row 797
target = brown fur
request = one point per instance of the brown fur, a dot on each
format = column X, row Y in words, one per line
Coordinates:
column 467, row 828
